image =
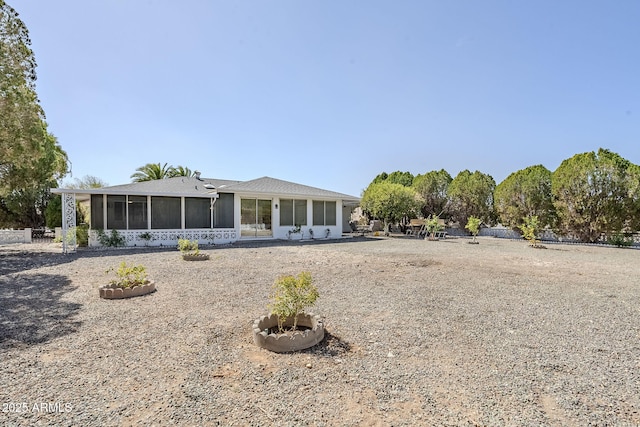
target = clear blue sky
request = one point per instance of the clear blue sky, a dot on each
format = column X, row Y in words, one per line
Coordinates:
column 330, row 93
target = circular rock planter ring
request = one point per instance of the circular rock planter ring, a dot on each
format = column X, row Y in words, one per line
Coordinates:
column 120, row 293
column 289, row 341
column 194, row 257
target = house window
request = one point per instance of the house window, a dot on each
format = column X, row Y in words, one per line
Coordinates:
column 165, row 213
column 197, row 212
column 137, row 212
column 117, row 212
column 324, row 213
column 97, row 213
column 223, row 211
column 293, row 212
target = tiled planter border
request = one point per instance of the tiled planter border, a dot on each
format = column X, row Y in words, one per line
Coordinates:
column 199, row 257
column 282, row 343
column 120, row 293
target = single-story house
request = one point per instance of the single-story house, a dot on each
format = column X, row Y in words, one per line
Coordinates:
column 212, row 211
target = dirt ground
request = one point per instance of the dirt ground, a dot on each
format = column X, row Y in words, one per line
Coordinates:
column 418, row 333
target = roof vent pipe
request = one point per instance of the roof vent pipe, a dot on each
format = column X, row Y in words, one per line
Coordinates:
column 197, row 174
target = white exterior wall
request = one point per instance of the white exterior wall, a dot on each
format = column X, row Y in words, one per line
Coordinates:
column 319, row 231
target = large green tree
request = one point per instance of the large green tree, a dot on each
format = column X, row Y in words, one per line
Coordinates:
column 471, row 194
column 24, row 139
column 31, row 160
column 389, row 202
column 432, row 187
column 525, row 193
column 594, row 194
column 86, row 182
column 397, row 177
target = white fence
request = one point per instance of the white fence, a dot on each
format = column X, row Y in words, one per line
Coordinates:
column 15, row 236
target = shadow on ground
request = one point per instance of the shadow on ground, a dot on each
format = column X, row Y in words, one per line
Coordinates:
column 330, row 346
column 32, row 309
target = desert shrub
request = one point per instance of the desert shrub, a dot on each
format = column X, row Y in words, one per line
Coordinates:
column 128, row 276
column 620, row 239
column 473, row 225
column 113, row 239
column 530, row 229
column 291, row 296
column 188, row 247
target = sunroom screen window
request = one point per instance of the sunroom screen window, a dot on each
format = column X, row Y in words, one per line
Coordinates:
column 97, row 214
column 117, row 212
column 165, row 213
column 324, row 213
column 293, row 212
column 137, row 209
column 197, row 212
column 223, row 211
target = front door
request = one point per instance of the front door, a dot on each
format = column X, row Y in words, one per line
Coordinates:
column 255, row 218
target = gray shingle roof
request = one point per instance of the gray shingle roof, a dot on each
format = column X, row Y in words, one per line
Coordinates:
column 191, row 186
column 268, row 185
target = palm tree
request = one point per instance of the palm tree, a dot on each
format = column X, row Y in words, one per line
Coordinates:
column 152, row 171
column 181, row 171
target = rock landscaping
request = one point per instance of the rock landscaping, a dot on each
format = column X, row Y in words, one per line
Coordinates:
column 416, row 333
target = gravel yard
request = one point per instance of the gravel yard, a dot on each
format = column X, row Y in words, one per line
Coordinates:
column 419, row 333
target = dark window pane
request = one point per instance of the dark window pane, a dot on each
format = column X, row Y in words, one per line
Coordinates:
column 300, row 209
column 318, row 213
column 116, row 212
column 165, row 213
column 330, row 213
column 197, row 212
column 137, row 212
column 97, row 213
column 286, row 212
column 223, row 211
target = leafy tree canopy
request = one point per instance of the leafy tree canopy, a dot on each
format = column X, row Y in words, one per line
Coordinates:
column 389, row 201
column 86, row 182
column 397, row 177
column 523, row 194
column 471, row 194
column 31, row 160
column 25, row 144
column 432, row 187
column 593, row 194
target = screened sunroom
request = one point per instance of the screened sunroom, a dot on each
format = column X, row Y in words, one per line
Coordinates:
column 211, row 211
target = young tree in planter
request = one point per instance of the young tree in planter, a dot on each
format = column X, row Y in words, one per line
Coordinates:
column 530, row 229
column 291, row 296
column 473, row 225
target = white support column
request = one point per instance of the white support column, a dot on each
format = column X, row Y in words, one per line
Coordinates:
column 68, row 222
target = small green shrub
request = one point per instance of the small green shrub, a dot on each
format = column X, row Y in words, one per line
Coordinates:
column 473, row 225
column 82, row 235
column 620, row 239
column 188, row 247
column 146, row 236
column 113, row 239
column 291, row 295
column 128, row 276
column 530, row 229
column 433, row 225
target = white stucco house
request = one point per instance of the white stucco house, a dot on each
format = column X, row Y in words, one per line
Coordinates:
column 212, row 211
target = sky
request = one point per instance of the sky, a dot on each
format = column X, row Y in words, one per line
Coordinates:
column 331, row 93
